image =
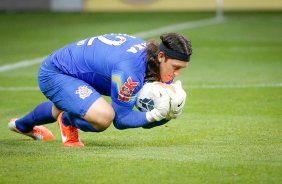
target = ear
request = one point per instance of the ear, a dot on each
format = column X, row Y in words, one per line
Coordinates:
column 161, row 56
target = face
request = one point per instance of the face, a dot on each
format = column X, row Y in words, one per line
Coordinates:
column 170, row 68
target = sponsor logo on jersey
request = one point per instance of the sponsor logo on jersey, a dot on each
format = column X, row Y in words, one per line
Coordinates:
column 83, row 92
column 126, row 90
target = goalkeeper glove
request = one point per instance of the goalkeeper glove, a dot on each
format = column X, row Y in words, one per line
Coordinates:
column 161, row 104
column 177, row 101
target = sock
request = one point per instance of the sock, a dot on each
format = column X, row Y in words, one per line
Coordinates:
column 69, row 119
column 42, row 114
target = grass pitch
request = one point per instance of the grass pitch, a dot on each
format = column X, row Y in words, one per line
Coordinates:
column 230, row 130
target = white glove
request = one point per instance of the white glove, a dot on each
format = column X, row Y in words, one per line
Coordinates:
column 161, row 105
column 177, row 102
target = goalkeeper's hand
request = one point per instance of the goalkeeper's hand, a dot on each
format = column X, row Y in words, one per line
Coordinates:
column 177, row 100
column 161, row 105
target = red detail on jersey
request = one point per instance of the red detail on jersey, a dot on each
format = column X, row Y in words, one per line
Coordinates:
column 127, row 90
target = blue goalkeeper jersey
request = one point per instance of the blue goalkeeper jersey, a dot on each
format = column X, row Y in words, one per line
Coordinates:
column 114, row 64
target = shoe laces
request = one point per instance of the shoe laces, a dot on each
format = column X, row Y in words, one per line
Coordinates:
column 73, row 134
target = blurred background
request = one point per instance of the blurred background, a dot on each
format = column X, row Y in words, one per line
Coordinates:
column 139, row 5
column 230, row 130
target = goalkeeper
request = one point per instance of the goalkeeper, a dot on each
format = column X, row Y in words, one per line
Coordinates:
column 75, row 77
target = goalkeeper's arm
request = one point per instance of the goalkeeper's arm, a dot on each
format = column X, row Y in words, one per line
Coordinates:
column 156, row 124
column 127, row 118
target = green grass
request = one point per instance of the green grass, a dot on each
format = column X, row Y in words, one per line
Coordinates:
column 225, row 135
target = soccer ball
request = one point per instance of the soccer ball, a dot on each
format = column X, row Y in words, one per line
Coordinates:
column 145, row 97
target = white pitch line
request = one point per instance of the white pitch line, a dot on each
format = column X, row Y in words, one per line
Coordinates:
column 22, row 88
column 20, row 64
column 203, row 86
column 181, row 26
column 226, row 86
column 145, row 34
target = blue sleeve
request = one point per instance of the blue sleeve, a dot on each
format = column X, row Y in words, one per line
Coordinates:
column 128, row 118
column 127, row 80
column 155, row 124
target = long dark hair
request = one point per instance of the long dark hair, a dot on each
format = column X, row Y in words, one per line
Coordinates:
column 173, row 41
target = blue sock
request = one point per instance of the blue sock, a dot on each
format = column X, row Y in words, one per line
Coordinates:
column 69, row 119
column 42, row 114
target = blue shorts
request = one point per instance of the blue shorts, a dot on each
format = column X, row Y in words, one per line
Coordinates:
column 68, row 93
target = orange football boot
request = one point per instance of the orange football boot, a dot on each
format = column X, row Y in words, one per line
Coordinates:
column 69, row 134
column 38, row 132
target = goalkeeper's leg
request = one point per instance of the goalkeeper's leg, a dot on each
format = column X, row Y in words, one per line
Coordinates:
column 42, row 114
column 29, row 124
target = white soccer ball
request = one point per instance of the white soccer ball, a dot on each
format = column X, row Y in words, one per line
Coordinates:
column 145, row 97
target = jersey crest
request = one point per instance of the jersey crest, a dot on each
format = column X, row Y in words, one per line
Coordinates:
column 83, row 92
